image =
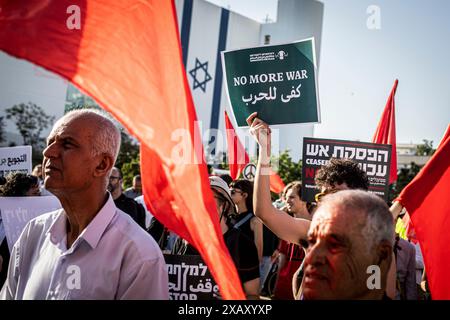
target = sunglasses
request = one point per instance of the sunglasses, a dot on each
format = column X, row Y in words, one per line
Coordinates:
column 233, row 191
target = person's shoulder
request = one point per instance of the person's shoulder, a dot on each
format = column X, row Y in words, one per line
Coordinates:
column 135, row 237
column 45, row 220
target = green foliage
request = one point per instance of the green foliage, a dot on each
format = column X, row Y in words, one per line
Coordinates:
column 288, row 169
column 31, row 120
column 425, row 149
column 403, row 178
column 129, row 149
column 128, row 160
column 129, row 170
column 2, row 128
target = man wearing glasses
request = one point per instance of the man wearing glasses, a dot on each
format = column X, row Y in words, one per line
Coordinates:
column 127, row 205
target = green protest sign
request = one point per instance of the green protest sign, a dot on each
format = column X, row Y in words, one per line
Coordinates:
column 279, row 82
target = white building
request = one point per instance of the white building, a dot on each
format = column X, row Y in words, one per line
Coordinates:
column 205, row 31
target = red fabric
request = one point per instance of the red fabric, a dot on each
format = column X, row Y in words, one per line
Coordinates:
column 385, row 132
column 276, row 184
column 238, row 158
column 427, row 201
column 294, row 257
column 127, row 56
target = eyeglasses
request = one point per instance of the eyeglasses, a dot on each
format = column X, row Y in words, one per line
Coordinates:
column 233, row 191
column 113, row 178
column 319, row 196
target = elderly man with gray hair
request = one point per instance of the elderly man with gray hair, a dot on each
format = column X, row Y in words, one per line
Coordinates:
column 89, row 249
column 349, row 247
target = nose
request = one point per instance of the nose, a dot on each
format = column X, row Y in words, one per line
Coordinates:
column 316, row 254
column 51, row 151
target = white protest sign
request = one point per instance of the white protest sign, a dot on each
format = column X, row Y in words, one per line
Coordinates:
column 15, row 159
column 16, row 212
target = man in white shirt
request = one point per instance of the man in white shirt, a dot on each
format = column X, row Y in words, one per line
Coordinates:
column 89, row 249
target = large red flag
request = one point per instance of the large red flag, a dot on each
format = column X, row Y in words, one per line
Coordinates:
column 427, row 200
column 126, row 55
column 238, row 158
column 385, row 132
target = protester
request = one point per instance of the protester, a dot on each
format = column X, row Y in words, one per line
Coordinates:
column 338, row 174
column 20, row 184
column 291, row 255
column 227, row 178
column 127, row 205
column 136, row 189
column 17, row 184
column 405, row 256
column 89, row 249
column 242, row 249
column 242, row 195
column 37, row 172
column 351, row 233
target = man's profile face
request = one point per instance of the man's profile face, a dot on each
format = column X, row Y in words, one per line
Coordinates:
column 337, row 256
column 68, row 163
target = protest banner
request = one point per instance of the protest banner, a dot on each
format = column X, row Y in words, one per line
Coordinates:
column 15, row 159
column 16, row 212
column 373, row 158
column 279, row 82
column 189, row 278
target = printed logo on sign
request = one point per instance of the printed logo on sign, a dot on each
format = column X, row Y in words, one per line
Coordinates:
column 281, row 55
column 267, row 56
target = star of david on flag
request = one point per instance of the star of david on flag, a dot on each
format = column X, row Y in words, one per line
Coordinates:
column 200, row 66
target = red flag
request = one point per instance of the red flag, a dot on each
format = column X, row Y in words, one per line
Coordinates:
column 427, row 200
column 276, row 184
column 127, row 56
column 238, row 158
column 385, row 132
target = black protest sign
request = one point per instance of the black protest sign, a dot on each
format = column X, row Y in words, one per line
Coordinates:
column 373, row 158
column 189, row 278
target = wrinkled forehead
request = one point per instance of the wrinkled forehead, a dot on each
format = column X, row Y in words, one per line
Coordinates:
column 334, row 219
column 74, row 127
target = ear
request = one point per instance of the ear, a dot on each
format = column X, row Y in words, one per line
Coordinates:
column 104, row 164
column 384, row 253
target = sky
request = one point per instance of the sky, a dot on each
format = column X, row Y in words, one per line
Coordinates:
column 358, row 65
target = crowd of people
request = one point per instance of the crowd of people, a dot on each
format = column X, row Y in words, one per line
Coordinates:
column 282, row 248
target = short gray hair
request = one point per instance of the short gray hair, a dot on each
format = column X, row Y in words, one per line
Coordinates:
column 379, row 224
column 107, row 138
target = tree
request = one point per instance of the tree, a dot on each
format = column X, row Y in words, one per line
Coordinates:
column 2, row 132
column 404, row 177
column 30, row 120
column 129, row 170
column 288, row 169
column 129, row 150
column 425, row 149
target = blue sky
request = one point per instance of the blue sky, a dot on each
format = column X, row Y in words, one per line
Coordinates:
column 358, row 66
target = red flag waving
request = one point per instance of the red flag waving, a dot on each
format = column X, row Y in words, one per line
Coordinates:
column 385, row 132
column 238, row 158
column 427, row 200
column 126, row 55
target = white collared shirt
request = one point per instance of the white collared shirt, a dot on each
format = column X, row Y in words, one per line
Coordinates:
column 112, row 258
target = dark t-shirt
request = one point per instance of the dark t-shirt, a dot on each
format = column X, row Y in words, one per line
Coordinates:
column 244, row 254
column 241, row 248
column 132, row 208
column 245, row 227
column 270, row 242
